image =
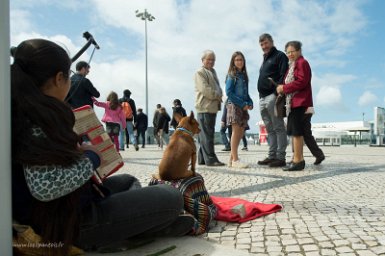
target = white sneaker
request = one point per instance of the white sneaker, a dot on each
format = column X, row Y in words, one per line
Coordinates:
column 229, row 164
column 239, row 164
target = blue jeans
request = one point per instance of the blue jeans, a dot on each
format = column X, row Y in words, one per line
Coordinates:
column 225, row 140
column 130, row 130
column 129, row 211
column 275, row 127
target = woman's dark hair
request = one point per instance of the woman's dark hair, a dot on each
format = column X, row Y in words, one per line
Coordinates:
column 114, row 100
column 297, row 45
column 36, row 61
column 233, row 70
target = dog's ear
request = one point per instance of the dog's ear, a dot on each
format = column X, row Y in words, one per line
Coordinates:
column 177, row 117
column 191, row 117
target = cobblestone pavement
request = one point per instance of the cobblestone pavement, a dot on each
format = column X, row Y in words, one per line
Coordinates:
column 337, row 208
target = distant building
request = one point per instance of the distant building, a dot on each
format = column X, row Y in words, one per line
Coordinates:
column 331, row 134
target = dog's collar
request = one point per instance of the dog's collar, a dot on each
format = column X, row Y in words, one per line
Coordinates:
column 185, row 130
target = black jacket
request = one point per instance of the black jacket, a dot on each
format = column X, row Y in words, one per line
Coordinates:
column 163, row 120
column 141, row 121
column 180, row 110
column 275, row 65
column 81, row 92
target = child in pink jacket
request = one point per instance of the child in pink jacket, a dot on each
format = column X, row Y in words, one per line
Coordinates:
column 114, row 117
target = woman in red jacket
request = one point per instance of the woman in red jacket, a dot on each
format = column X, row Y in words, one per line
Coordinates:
column 297, row 87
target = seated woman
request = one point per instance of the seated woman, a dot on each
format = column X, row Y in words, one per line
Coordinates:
column 51, row 172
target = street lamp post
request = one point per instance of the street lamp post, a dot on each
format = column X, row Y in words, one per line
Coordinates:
column 146, row 17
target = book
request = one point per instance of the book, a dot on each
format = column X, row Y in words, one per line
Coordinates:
column 91, row 130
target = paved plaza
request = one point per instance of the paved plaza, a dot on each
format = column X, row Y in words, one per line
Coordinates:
column 337, row 208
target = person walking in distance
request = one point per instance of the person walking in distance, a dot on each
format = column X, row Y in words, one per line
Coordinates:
column 274, row 66
column 129, row 108
column 155, row 123
column 226, row 141
column 163, row 127
column 113, row 117
column 177, row 108
column 141, row 126
column 81, row 90
column 208, row 99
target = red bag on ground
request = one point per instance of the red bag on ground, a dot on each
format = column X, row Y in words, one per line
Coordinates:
column 239, row 210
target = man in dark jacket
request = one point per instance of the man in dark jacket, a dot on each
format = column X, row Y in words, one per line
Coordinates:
column 275, row 64
column 81, row 89
column 141, row 124
column 163, row 127
column 177, row 108
column 129, row 132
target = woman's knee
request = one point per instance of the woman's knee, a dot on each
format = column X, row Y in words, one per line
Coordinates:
column 169, row 197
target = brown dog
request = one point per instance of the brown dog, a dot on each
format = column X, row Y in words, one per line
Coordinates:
column 180, row 151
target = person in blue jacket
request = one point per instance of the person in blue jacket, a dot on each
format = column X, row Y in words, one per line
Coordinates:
column 238, row 104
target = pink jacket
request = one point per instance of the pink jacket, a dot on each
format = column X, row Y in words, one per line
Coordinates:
column 113, row 116
column 301, row 85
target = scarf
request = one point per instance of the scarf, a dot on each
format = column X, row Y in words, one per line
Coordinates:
column 288, row 79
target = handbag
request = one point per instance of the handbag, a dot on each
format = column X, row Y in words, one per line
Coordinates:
column 112, row 128
column 280, row 106
column 197, row 201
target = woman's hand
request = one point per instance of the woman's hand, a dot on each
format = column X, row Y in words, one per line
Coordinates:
column 280, row 89
column 89, row 147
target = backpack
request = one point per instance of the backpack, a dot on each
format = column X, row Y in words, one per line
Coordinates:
column 127, row 110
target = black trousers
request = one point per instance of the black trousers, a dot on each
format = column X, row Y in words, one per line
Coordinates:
column 308, row 137
column 141, row 134
column 128, row 212
column 206, row 153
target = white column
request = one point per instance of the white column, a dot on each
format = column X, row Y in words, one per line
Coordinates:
column 5, row 133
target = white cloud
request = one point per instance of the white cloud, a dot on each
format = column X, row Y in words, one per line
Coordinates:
column 367, row 99
column 21, row 21
column 328, row 96
column 329, row 87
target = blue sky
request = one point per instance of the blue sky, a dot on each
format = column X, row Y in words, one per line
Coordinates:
column 342, row 40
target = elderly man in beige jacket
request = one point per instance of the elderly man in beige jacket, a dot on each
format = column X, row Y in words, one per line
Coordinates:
column 208, row 99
